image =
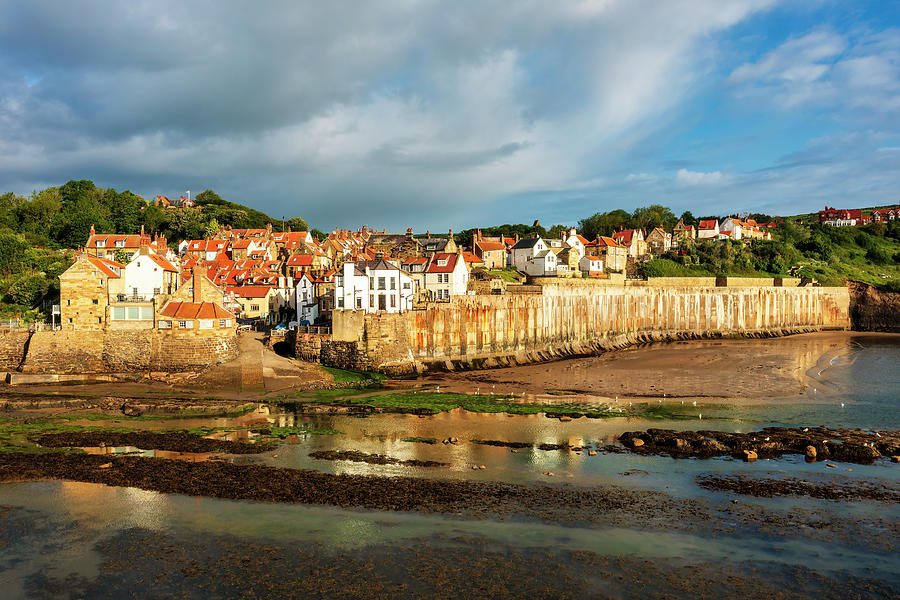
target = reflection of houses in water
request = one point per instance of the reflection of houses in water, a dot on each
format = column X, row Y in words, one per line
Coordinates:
column 138, row 508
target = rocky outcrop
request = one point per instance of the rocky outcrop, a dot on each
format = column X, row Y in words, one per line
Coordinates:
column 872, row 309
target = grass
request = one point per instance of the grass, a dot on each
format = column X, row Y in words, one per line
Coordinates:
column 507, row 275
column 282, row 432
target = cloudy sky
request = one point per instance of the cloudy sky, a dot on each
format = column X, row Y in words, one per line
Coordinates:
column 436, row 114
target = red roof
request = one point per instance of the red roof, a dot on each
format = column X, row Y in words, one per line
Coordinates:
column 471, row 258
column 436, row 267
column 624, row 236
column 166, row 265
column 415, row 261
column 106, row 266
column 490, row 246
column 194, row 310
column 300, row 260
column 130, row 241
column 708, row 224
column 608, row 241
column 250, row 291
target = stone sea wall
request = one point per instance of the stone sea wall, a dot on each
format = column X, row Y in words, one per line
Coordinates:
column 572, row 320
column 70, row 352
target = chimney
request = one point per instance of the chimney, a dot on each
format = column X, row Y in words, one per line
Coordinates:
column 479, row 235
column 428, row 234
column 92, row 230
column 197, row 284
column 268, row 228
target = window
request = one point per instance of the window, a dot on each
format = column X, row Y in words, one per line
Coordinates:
column 405, row 285
column 371, row 300
column 393, row 301
column 68, row 303
column 206, row 323
column 94, row 301
column 101, row 243
column 99, row 320
column 371, row 283
column 156, row 291
column 118, row 313
column 224, row 323
column 165, row 325
column 339, row 281
column 120, row 244
column 185, row 324
column 359, row 303
column 70, row 319
column 133, row 313
column 340, row 302
column 393, row 283
column 381, row 283
column 254, row 307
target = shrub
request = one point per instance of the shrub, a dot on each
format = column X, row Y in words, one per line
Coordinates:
column 28, row 289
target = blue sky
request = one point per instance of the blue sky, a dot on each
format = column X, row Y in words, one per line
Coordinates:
column 439, row 114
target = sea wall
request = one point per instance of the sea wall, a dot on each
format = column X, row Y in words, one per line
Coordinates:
column 572, row 320
column 872, row 309
column 68, row 352
column 12, row 349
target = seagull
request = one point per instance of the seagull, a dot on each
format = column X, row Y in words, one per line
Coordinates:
column 701, row 416
column 842, row 405
column 805, row 429
column 767, row 438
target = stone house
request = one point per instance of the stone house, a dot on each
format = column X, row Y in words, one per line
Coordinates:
column 85, row 290
column 198, row 317
column 567, row 261
column 683, row 234
column 613, row 254
column 491, row 250
column 659, row 241
column 446, row 275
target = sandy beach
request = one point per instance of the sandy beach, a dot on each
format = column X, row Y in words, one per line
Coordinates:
column 741, row 370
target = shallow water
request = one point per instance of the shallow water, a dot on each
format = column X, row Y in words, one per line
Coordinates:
column 57, row 528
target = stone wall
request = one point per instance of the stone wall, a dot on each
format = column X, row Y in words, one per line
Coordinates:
column 12, row 349
column 124, row 352
column 478, row 331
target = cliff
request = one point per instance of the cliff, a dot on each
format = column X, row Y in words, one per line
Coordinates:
column 872, row 309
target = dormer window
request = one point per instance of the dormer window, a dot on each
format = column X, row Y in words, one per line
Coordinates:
column 442, row 262
column 101, row 243
column 120, row 244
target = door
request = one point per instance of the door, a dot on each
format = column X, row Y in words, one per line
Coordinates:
column 382, row 302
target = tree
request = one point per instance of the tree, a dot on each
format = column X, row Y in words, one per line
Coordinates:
column 655, row 215
column 297, row 224
column 211, row 228
column 604, row 223
column 208, row 197
column 28, row 289
column 688, row 218
column 12, row 251
column 318, row 234
column 123, row 257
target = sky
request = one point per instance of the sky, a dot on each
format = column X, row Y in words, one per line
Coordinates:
column 439, row 114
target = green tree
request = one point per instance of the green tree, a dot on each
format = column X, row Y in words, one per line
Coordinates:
column 655, row 215
column 211, row 228
column 604, row 223
column 12, row 251
column 297, row 224
column 28, row 289
column 688, row 218
column 123, row 257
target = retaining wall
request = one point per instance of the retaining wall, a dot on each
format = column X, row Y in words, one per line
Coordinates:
column 567, row 320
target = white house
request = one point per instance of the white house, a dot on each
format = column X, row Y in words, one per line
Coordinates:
column 446, row 275
column 708, row 229
column 542, row 264
column 148, row 275
column 734, row 227
column 374, row 286
column 306, row 302
column 591, row 265
column 525, row 250
column 574, row 240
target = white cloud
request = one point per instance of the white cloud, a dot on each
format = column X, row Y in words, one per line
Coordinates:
column 685, row 177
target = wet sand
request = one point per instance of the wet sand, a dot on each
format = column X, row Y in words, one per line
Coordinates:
column 740, row 370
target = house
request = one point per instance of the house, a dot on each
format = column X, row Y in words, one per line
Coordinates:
column 659, row 241
column 472, row 261
column 203, row 249
column 591, row 266
column 492, row 251
column 85, row 290
column 446, row 275
column 149, row 275
column 373, row 286
column 842, row 217
column 576, row 241
column 614, row 254
column 107, row 245
column 525, row 250
column 198, row 316
column 542, row 264
column 256, row 301
column 633, row 241
column 683, row 234
column 298, row 264
column 429, row 246
column 708, row 229
column 883, row 215
column 567, row 261
column 306, row 301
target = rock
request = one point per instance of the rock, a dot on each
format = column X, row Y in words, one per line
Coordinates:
column 481, row 466
column 895, row 459
column 592, row 453
column 811, row 451
column 680, row 444
column 453, row 440
column 513, row 450
column 565, row 419
column 750, row 455
column 131, row 411
column 105, row 466
column 831, row 466
column 548, row 473
column 637, row 442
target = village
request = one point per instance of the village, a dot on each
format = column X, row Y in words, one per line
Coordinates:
column 286, row 279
